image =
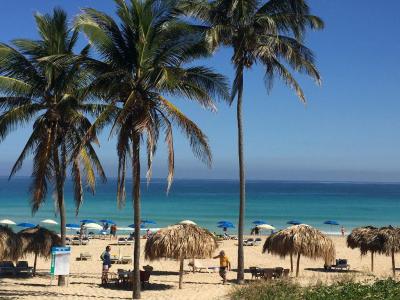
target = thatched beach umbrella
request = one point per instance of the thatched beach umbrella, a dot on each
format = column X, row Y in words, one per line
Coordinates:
column 38, row 240
column 390, row 238
column 9, row 244
column 301, row 240
column 180, row 242
column 367, row 240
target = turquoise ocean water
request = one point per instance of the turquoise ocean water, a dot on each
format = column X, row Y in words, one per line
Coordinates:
column 208, row 201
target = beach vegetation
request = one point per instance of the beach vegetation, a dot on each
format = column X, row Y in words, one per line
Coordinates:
column 387, row 289
column 269, row 33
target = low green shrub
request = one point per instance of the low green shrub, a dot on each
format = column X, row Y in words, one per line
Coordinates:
column 387, row 289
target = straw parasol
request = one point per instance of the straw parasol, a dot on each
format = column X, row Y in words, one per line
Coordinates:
column 390, row 238
column 301, row 240
column 38, row 240
column 181, row 241
column 367, row 239
column 9, row 244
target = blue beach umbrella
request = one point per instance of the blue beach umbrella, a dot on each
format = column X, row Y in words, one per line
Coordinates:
column 88, row 221
column 148, row 222
column 294, row 222
column 226, row 225
column 259, row 222
column 26, row 225
column 72, row 226
column 133, row 226
column 223, row 221
column 106, row 221
column 331, row 222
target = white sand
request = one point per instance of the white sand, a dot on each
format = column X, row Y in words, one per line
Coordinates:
column 84, row 282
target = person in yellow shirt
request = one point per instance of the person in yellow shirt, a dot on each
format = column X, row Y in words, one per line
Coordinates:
column 224, row 265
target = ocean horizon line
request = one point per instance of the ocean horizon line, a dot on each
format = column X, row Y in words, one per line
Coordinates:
column 157, row 179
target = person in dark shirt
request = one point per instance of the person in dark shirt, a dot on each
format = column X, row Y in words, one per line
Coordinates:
column 105, row 257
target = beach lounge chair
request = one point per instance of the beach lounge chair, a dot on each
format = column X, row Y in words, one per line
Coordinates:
column 126, row 259
column 85, row 256
column 22, row 268
column 114, row 259
column 257, row 241
column 121, row 241
column 196, row 266
column 91, row 235
column 7, row 268
column 67, row 241
column 248, row 242
column 341, row 264
column 75, row 241
column 130, row 240
column 85, row 241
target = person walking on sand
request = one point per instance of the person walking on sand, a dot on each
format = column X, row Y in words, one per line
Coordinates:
column 342, row 230
column 106, row 258
column 224, row 265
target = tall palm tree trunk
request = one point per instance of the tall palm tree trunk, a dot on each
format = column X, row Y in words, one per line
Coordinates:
column 393, row 264
column 136, row 214
column 242, row 205
column 372, row 261
column 61, row 204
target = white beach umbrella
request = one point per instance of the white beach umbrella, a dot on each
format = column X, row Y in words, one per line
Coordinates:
column 49, row 221
column 7, row 222
column 266, row 227
column 93, row 226
column 187, row 222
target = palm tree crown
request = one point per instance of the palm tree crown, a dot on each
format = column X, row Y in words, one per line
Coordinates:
column 35, row 91
column 146, row 58
column 270, row 33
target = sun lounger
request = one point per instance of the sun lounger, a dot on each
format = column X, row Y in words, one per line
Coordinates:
column 197, row 266
column 122, row 241
column 22, row 268
column 341, row 264
column 84, row 256
column 126, row 260
column 85, row 241
column 67, row 241
column 7, row 268
column 114, row 259
column 75, row 241
column 257, row 241
column 248, row 242
column 129, row 240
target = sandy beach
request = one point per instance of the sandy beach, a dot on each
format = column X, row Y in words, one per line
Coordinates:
column 84, row 281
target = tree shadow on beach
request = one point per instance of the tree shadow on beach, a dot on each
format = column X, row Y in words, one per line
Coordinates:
column 166, row 273
column 148, row 287
column 322, row 270
column 15, row 294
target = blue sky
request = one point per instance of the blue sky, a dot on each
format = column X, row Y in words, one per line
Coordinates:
column 349, row 130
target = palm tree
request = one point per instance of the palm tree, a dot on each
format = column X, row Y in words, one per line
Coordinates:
column 143, row 58
column 270, row 33
column 53, row 99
